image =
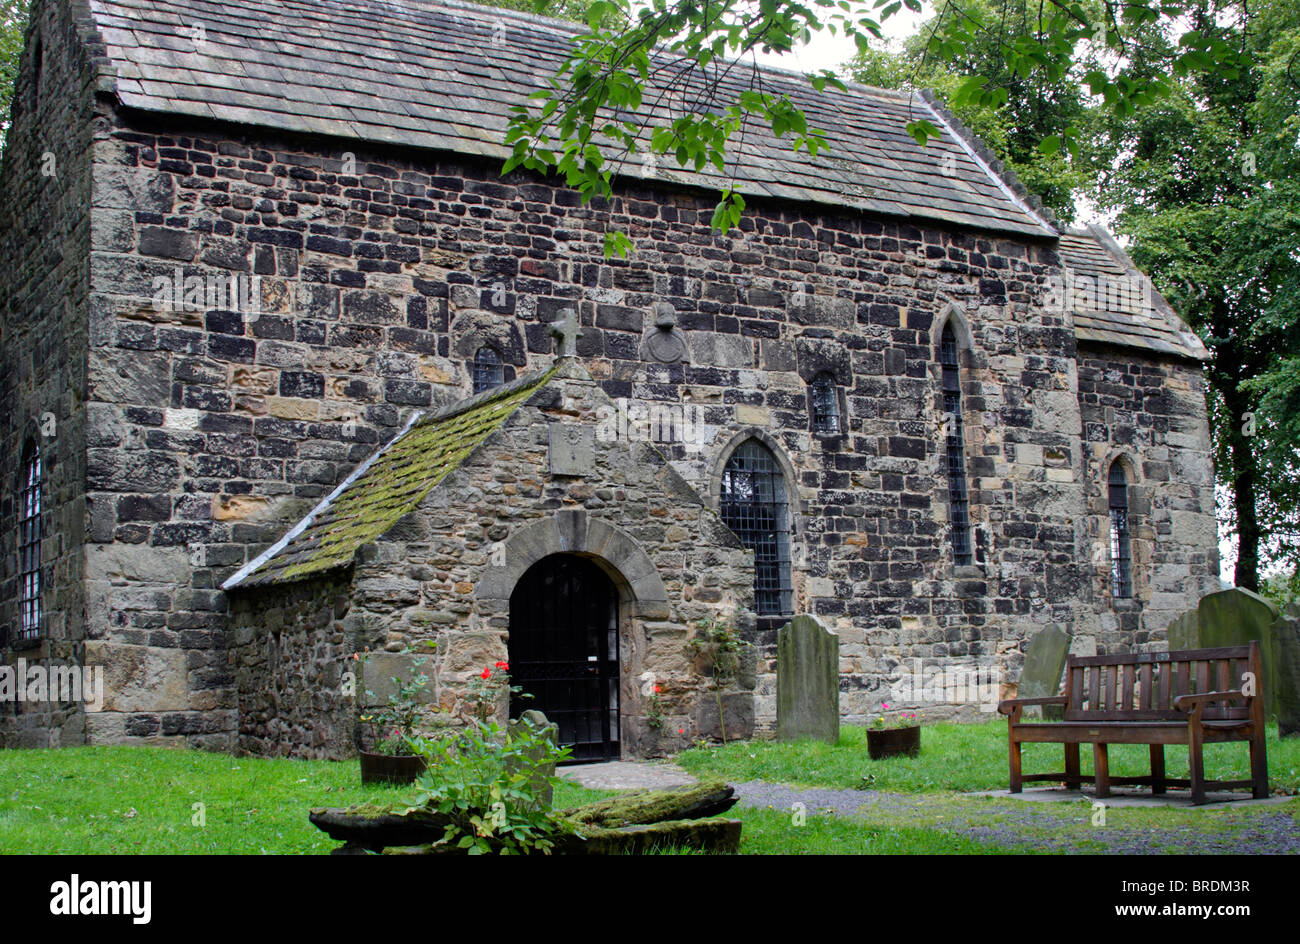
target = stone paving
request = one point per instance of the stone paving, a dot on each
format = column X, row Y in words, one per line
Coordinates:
column 627, row 775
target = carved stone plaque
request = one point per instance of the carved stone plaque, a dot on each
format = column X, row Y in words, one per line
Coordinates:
column 573, row 449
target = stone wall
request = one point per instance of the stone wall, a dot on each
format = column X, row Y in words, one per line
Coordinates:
column 1150, row 415
column 445, row 573
column 45, row 187
column 378, row 275
column 291, row 650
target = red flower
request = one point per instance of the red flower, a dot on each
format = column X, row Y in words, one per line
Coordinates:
column 487, row 673
column 503, row 666
column 658, row 689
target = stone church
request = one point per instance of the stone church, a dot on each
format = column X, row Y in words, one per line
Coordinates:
column 290, row 371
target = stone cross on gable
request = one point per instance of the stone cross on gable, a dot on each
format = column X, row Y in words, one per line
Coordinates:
column 567, row 331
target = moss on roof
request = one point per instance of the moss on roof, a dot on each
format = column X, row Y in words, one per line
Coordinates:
column 387, row 486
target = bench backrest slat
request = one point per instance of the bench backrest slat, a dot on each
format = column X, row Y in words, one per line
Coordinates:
column 1142, row 686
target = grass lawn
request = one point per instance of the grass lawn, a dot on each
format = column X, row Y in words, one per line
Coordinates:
column 962, row 757
column 137, row 800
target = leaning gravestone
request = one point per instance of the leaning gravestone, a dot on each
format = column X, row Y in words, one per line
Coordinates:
column 1236, row 617
column 1288, row 672
column 540, row 783
column 1044, row 661
column 807, row 681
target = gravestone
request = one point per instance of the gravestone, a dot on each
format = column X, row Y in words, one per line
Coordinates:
column 543, row 789
column 807, row 681
column 1288, row 672
column 1044, row 661
column 1236, row 617
column 375, row 686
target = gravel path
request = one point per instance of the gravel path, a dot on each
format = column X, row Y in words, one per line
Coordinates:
column 1045, row 827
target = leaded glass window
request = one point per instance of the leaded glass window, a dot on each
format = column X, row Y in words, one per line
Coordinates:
column 29, row 545
column 955, row 448
column 488, row 372
column 754, row 505
column 1121, row 556
column 826, row 405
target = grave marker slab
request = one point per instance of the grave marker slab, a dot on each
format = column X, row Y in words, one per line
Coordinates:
column 807, row 681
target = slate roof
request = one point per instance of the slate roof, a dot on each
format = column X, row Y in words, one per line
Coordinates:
column 1114, row 303
column 388, row 485
column 428, row 74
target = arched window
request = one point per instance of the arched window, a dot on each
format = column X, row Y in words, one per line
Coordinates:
column 753, row 504
column 1121, row 556
column 825, row 405
column 488, row 372
column 955, row 447
column 29, row 544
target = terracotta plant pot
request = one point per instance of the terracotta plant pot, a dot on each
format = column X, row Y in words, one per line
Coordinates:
column 893, row 742
column 391, row 768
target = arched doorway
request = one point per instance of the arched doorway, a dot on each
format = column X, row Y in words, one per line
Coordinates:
column 564, row 652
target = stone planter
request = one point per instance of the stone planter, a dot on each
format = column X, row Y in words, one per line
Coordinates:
column 893, row 742
column 391, row 768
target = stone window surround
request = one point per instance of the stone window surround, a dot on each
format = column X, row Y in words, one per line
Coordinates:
column 1139, row 546
column 794, row 504
column 950, row 313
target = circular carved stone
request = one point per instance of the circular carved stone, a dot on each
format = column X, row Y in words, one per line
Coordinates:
column 667, row 347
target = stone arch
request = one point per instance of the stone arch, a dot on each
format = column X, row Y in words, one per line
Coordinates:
column 571, row 531
column 950, row 313
column 1127, row 462
column 788, row 472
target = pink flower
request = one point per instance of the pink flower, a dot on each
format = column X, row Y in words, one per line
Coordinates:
column 885, row 705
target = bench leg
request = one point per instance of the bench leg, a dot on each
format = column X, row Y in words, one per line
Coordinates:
column 1258, row 767
column 1157, row 768
column 1196, row 763
column 1101, row 769
column 1013, row 747
column 1072, row 777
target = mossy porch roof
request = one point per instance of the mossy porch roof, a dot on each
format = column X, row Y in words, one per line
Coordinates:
column 388, row 485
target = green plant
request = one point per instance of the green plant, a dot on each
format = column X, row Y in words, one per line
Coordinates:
column 485, row 691
column 654, row 710
column 490, row 787
column 719, row 646
column 899, row 719
column 397, row 719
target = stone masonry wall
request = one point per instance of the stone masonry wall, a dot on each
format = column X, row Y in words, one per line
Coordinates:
column 1151, row 416
column 429, row 578
column 380, row 274
column 292, row 650
column 45, row 227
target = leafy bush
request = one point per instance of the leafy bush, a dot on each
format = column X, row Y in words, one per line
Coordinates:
column 494, row 788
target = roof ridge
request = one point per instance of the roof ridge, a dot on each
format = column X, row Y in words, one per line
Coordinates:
column 992, row 163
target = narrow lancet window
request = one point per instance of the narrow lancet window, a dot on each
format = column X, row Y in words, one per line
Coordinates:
column 955, row 448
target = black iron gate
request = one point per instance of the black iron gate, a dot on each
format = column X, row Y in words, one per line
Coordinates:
column 564, row 652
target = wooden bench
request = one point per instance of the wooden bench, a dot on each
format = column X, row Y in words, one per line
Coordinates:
column 1191, row 697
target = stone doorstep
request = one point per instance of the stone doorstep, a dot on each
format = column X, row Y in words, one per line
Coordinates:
column 1137, row 798
column 626, row 775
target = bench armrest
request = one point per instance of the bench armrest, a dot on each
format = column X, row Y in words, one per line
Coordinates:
column 1189, row 702
column 1011, row 704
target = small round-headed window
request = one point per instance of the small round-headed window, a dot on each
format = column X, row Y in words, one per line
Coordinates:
column 825, row 405
column 753, row 504
column 488, row 370
column 29, row 543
